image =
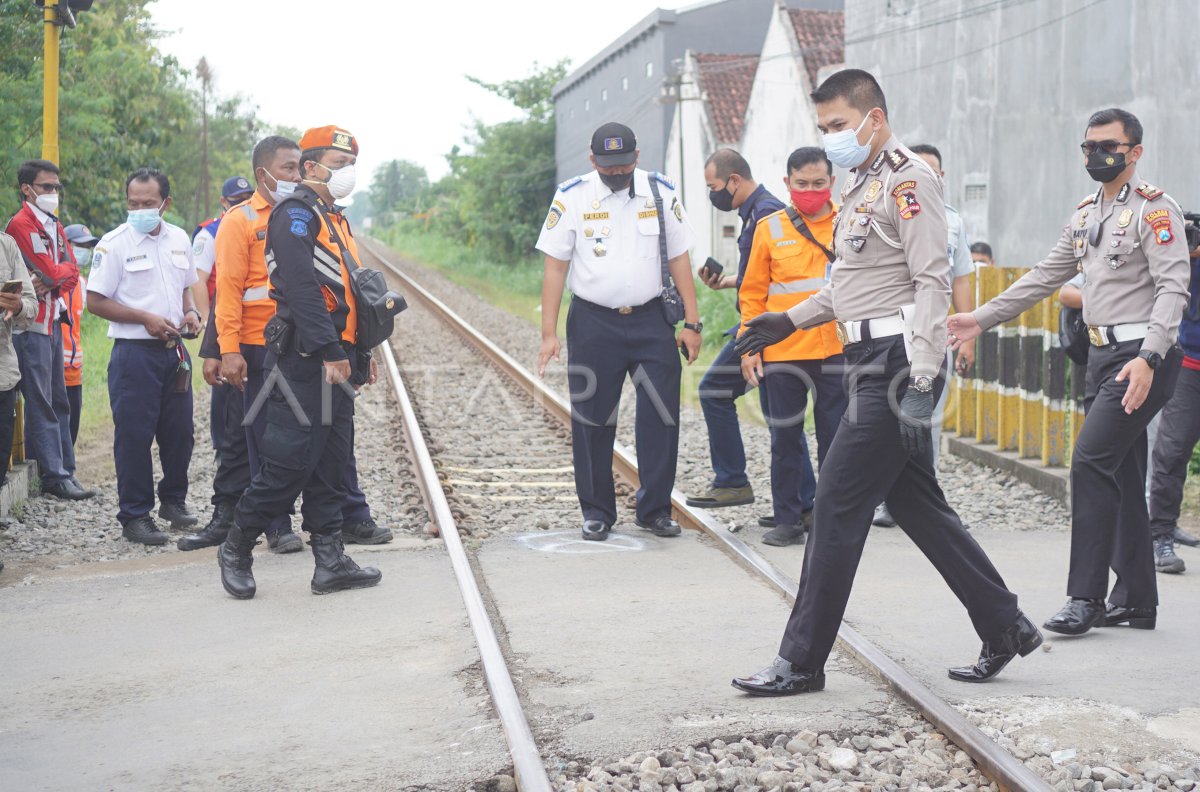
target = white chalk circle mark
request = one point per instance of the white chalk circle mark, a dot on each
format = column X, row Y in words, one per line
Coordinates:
column 571, row 543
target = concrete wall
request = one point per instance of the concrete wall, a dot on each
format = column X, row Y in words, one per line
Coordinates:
column 1008, row 115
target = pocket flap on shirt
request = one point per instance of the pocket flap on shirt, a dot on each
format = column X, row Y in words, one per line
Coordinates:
column 179, row 259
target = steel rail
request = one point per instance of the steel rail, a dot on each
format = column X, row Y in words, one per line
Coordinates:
column 528, row 768
column 992, row 759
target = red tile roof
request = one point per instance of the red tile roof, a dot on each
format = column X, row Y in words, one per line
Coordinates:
column 822, row 39
column 726, row 81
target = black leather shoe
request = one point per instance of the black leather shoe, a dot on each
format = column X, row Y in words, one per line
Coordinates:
column 87, row 493
column 178, row 515
column 212, row 534
column 1137, row 618
column 286, row 541
column 595, row 530
column 1019, row 639
column 782, row 678
column 1165, row 559
column 766, row 522
column 1184, row 538
column 66, row 490
column 143, row 530
column 236, row 559
column 883, row 517
column 784, row 535
column 365, row 532
column 1076, row 617
column 336, row 571
column 660, row 526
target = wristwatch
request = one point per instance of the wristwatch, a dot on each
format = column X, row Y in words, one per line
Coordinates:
column 921, row 384
column 698, row 326
column 199, row 318
column 1153, row 359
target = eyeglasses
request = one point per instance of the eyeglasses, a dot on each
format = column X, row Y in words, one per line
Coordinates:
column 1107, row 146
column 48, row 187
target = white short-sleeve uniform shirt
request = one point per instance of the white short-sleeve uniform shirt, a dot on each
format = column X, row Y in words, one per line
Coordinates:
column 142, row 271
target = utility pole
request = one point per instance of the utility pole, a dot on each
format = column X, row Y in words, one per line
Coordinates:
column 50, row 34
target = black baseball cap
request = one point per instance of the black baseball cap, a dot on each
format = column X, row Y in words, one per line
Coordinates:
column 613, row 145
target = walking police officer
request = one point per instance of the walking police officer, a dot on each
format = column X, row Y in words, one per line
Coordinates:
column 890, row 290
column 312, row 358
column 617, row 231
column 1127, row 240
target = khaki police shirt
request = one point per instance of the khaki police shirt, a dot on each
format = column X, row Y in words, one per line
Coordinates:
column 890, row 240
column 1134, row 259
column 611, row 238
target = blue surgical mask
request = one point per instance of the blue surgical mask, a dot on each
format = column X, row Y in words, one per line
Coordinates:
column 843, row 148
column 144, row 220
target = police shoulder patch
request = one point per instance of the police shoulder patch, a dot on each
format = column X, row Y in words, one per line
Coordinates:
column 553, row 216
column 569, row 183
column 1149, row 192
column 1087, row 201
column 98, row 256
column 299, row 228
column 664, row 180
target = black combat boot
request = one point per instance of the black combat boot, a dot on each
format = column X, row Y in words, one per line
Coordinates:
column 335, row 570
column 236, row 557
column 365, row 532
column 212, row 534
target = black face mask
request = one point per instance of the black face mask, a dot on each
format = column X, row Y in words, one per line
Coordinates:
column 721, row 199
column 1104, row 167
column 618, row 181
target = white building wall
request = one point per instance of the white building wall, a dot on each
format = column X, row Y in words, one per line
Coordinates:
column 699, row 141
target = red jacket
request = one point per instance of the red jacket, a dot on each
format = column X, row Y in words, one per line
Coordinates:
column 61, row 275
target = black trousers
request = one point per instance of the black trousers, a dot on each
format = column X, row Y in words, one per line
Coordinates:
column 1178, row 433
column 789, row 384
column 1109, row 524
column 75, row 400
column 865, row 465
column 304, row 449
column 8, row 418
column 603, row 347
column 233, row 456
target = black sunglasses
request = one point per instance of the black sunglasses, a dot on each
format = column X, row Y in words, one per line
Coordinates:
column 47, row 187
column 1107, row 146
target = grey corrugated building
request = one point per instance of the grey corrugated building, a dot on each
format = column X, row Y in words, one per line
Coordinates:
column 1005, row 90
column 624, row 82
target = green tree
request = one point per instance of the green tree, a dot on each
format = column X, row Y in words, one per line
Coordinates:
column 397, row 187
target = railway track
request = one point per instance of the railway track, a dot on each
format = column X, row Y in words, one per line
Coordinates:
column 993, row 760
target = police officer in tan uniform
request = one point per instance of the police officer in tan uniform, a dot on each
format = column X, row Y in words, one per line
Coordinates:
column 889, row 290
column 1127, row 240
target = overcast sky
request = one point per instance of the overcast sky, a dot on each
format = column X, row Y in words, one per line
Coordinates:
column 396, row 79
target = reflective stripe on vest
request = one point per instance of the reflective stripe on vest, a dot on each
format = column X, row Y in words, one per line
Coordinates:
column 776, row 226
column 256, row 293
column 797, row 286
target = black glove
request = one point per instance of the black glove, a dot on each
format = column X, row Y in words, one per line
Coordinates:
column 916, row 409
column 764, row 330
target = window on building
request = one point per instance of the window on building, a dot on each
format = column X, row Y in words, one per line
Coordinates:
column 587, row 105
column 604, row 95
column 727, row 232
column 649, row 69
column 624, row 83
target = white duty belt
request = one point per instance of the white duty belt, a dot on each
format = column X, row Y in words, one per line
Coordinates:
column 1101, row 335
column 853, row 332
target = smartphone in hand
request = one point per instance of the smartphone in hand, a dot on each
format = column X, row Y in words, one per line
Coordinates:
column 713, row 266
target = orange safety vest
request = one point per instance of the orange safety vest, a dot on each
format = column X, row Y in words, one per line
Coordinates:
column 72, row 348
column 244, row 305
column 784, row 270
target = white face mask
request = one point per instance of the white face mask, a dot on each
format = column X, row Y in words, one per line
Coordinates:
column 283, row 189
column 47, row 203
column 341, row 181
column 843, row 148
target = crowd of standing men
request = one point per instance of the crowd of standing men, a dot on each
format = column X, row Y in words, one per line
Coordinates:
column 850, row 303
column 243, row 280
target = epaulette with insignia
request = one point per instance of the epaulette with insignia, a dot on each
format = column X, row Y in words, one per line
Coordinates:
column 897, row 159
column 664, row 180
column 1086, row 201
column 569, row 183
column 1149, row 192
column 877, row 163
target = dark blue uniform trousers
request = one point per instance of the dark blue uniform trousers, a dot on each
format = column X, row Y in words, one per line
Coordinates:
column 788, row 385
column 303, row 450
column 233, row 458
column 865, row 464
column 603, row 347
column 47, row 409
column 1109, row 524
column 354, row 507
column 146, row 409
column 720, row 388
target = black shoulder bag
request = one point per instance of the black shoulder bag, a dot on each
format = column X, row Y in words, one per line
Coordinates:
column 805, row 232
column 377, row 305
column 672, row 303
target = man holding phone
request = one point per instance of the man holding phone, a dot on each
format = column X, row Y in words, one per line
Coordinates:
column 731, row 188
column 141, row 279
